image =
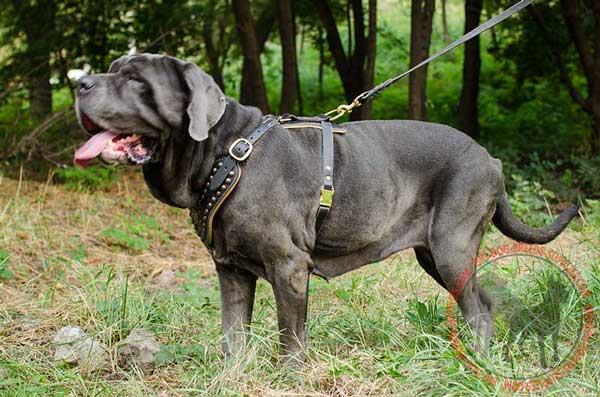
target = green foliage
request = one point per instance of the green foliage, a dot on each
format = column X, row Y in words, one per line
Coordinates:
column 592, row 213
column 177, row 354
column 135, row 233
column 88, row 179
column 426, row 316
column 5, row 273
column 529, row 201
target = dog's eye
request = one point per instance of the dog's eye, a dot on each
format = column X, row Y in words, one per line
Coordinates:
column 136, row 79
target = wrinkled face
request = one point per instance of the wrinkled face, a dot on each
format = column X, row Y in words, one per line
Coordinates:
column 140, row 103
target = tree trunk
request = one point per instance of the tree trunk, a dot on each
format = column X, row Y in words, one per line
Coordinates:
column 468, row 118
column 357, row 61
column 39, row 28
column 596, row 137
column 255, row 93
column 445, row 23
column 212, row 54
column 371, row 55
column 589, row 60
column 289, row 82
column 342, row 63
column 321, row 65
column 355, row 69
column 298, row 84
column 420, row 40
column 595, row 94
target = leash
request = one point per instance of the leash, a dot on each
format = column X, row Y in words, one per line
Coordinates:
column 365, row 96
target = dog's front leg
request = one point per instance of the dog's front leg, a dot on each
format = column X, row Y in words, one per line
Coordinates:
column 290, row 286
column 237, row 288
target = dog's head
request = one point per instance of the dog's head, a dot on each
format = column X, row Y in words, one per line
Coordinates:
column 142, row 102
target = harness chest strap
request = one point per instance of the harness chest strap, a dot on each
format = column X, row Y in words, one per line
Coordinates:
column 226, row 172
column 327, row 191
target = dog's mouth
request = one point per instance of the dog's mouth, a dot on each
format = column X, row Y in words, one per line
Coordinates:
column 114, row 147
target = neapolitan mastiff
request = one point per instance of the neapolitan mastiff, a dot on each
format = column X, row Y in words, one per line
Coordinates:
column 399, row 185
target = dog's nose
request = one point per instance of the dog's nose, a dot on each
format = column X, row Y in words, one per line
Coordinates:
column 85, row 85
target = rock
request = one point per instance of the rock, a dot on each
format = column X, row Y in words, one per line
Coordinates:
column 166, row 280
column 73, row 346
column 139, row 350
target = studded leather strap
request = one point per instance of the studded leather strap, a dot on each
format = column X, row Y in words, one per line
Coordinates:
column 225, row 175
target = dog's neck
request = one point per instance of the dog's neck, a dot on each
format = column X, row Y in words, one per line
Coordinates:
column 179, row 177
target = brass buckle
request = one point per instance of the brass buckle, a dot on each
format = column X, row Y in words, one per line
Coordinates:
column 326, row 198
column 245, row 156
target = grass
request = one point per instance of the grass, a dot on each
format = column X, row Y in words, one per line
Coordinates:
column 93, row 260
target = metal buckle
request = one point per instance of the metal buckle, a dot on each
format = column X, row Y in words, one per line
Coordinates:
column 245, row 156
column 326, row 197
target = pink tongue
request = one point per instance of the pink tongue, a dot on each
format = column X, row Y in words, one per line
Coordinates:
column 93, row 147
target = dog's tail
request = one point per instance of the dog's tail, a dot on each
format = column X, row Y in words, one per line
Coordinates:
column 509, row 225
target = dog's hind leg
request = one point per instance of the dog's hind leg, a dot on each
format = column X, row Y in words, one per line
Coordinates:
column 425, row 259
column 460, row 218
column 457, row 270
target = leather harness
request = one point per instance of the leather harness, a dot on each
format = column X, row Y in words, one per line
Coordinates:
column 226, row 171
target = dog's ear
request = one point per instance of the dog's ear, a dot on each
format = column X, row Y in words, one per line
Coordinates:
column 206, row 101
column 118, row 63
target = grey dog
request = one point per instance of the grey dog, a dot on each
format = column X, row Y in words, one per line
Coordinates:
column 399, row 185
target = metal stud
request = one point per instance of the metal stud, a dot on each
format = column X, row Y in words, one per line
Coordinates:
column 204, row 218
column 219, row 194
column 213, row 199
column 209, row 205
column 206, row 211
column 207, row 184
column 214, row 170
column 231, row 173
column 223, row 187
column 220, row 164
column 328, row 168
column 228, row 180
column 210, row 177
column 328, row 177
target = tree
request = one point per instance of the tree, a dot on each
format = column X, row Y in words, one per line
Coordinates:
column 355, row 66
column 262, row 29
column 468, row 117
column 445, row 22
column 217, row 38
column 36, row 20
column 421, row 25
column 579, row 17
column 287, row 34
